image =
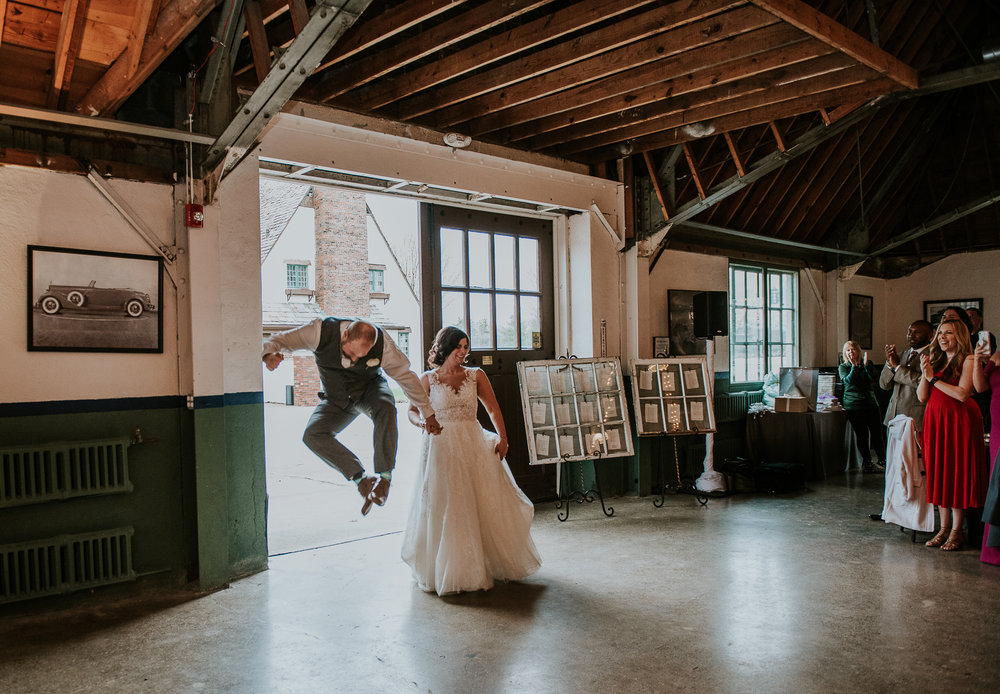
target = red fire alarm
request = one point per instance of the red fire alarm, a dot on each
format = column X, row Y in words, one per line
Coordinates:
column 194, row 216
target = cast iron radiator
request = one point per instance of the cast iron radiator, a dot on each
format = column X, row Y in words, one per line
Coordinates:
column 63, row 470
column 65, row 563
column 732, row 407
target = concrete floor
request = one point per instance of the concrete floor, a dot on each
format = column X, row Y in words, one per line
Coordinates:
column 751, row 593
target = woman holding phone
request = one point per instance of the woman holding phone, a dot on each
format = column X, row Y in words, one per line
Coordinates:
column 954, row 457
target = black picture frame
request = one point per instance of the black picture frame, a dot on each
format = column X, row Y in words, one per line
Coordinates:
column 94, row 301
column 859, row 319
column 934, row 308
column 680, row 316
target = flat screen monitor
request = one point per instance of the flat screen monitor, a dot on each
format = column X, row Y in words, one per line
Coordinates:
column 799, row 381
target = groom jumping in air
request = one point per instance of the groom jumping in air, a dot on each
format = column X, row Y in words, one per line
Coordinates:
column 351, row 355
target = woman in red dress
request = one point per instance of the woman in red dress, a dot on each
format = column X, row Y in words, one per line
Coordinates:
column 954, row 450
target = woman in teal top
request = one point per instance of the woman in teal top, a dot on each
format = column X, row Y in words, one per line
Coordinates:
column 859, row 377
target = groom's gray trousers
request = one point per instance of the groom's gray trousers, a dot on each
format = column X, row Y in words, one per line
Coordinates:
column 329, row 419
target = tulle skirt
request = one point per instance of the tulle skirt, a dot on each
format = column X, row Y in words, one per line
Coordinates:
column 469, row 522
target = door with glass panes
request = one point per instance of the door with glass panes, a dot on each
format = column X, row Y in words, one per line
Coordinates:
column 491, row 275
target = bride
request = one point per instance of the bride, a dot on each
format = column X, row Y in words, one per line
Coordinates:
column 469, row 522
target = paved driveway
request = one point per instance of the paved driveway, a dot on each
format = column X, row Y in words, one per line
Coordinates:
column 309, row 503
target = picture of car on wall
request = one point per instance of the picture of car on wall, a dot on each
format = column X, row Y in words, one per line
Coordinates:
column 59, row 297
column 94, row 301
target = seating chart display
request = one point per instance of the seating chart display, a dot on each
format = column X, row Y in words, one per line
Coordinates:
column 574, row 409
column 672, row 396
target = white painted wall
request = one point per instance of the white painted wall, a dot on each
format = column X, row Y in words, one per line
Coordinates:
column 65, row 210
column 690, row 271
column 399, row 221
column 961, row 276
column 297, row 242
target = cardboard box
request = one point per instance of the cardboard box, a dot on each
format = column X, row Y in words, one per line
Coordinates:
column 790, row 403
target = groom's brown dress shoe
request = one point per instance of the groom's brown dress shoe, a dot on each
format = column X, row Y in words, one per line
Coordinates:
column 381, row 491
column 365, row 487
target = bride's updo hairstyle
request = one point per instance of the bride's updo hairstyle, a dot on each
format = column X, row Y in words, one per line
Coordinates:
column 444, row 344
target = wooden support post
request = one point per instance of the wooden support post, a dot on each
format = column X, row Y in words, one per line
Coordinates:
column 736, row 155
column 694, row 170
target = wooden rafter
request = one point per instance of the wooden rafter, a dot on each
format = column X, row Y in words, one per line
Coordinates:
column 384, row 27
column 526, row 37
column 742, row 113
column 666, row 75
column 625, row 32
column 735, row 155
column 820, row 26
column 3, row 18
column 257, row 33
column 299, row 13
column 137, row 37
column 655, row 180
column 173, row 24
column 778, row 138
column 601, row 124
column 74, row 14
column 694, row 170
column 438, row 38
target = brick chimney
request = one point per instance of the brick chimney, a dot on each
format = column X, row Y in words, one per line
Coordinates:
column 341, row 270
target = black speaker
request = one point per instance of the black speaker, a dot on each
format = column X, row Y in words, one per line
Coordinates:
column 711, row 314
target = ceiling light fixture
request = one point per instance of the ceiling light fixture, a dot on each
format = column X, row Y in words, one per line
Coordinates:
column 457, row 140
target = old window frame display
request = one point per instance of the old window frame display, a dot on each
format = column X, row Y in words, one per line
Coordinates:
column 672, row 396
column 574, row 409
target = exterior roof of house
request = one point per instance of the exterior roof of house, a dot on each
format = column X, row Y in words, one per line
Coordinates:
column 278, row 202
column 285, row 315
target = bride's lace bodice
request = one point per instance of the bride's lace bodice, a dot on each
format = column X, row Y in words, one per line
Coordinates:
column 452, row 405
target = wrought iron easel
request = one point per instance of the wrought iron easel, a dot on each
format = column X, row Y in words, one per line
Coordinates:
column 578, row 495
column 680, row 487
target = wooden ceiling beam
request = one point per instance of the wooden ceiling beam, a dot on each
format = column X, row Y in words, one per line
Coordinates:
column 701, row 89
column 820, row 26
column 175, row 22
column 299, row 13
column 383, row 27
column 67, row 49
column 334, row 82
column 697, row 112
column 623, row 32
column 137, row 37
column 483, row 53
column 657, row 188
column 694, row 169
column 3, row 18
column 260, row 49
column 754, row 51
column 740, row 171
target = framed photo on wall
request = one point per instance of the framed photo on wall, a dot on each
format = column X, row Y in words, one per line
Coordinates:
column 680, row 315
column 934, row 309
column 94, row 301
column 859, row 320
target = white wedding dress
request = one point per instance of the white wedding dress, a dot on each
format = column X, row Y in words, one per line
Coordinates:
column 469, row 523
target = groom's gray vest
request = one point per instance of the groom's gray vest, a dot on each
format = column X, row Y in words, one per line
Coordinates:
column 339, row 383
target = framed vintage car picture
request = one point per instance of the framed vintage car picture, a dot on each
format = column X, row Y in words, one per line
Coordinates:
column 94, row 301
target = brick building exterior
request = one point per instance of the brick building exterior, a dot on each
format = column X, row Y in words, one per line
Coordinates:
column 342, row 287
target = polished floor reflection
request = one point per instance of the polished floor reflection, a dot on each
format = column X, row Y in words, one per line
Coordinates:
column 752, row 593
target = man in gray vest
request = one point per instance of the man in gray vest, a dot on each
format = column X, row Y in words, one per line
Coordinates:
column 901, row 375
column 351, row 355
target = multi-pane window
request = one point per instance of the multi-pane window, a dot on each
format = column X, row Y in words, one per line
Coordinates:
column 297, row 276
column 376, row 280
column 763, row 321
column 490, row 287
column 403, row 341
